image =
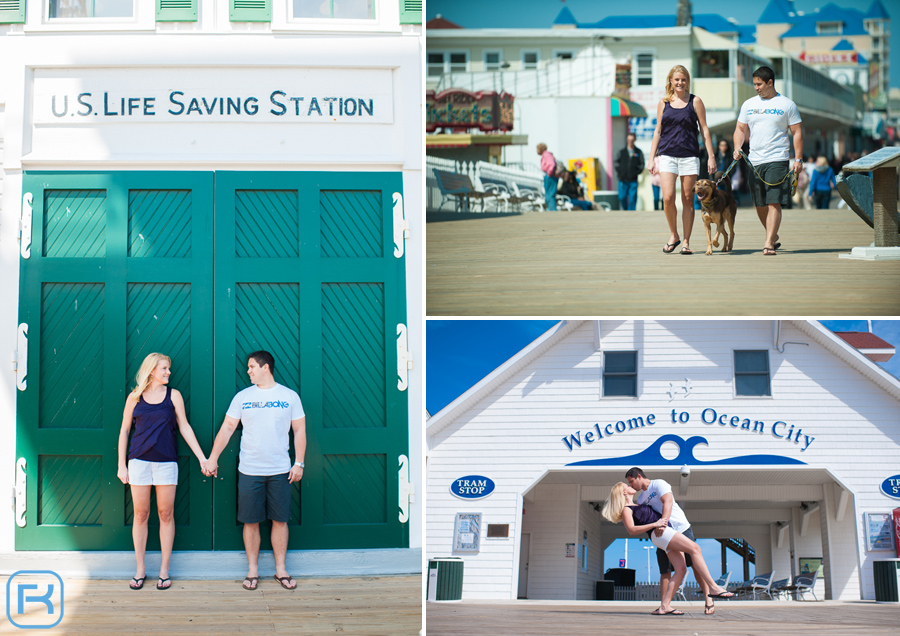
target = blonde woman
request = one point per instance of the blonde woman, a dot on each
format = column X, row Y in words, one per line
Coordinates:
column 638, row 519
column 157, row 411
column 679, row 117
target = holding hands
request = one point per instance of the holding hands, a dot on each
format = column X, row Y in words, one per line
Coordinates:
column 210, row 467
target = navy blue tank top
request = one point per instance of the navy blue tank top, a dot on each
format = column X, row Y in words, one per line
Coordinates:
column 678, row 131
column 154, row 438
column 644, row 514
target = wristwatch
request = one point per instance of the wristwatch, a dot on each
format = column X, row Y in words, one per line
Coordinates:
column 300, row 464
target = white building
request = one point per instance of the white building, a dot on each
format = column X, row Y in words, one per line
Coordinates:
column 208, row 178
column 777, row 432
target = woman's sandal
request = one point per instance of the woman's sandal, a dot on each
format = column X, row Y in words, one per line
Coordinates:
column 709, row 609
column 139, row 581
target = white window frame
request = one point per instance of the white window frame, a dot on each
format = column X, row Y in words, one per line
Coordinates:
column 569, row 52
column 448, row 63
column 636, row 68
column 37, row 18
column 537, row 54
column 838, row 24
column 387, row 18
column 498, row 53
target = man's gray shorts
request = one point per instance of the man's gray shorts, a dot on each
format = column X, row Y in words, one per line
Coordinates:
column 773, row 172
column 263, row 497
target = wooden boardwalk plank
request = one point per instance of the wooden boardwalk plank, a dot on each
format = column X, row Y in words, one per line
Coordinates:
column 366, row 606
column 760, row 618
column 612, row 264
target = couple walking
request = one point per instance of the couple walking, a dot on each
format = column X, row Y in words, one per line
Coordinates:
column 656, row 513
column 769, row 121
column 269, row 412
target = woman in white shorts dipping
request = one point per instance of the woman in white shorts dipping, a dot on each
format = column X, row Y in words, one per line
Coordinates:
column 679, row 117
column 156, row 411
column 637, row 519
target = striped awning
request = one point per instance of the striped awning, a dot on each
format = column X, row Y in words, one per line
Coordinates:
column 619, row 107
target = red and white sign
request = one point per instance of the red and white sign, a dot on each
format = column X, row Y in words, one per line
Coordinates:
column 830, row 57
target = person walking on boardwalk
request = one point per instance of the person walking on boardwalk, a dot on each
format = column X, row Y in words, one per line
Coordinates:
column 629, row 165
column 551, row 178
column 156, row 411
column 771, row 122
column 680, row 115
column 269, row 413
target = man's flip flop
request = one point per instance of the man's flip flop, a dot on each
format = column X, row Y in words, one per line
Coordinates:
column 670, row 247
column 253, row 581
column 160, row 586
column 656, row 612
column 777, row 245
column 686, row 250
column 721, row 595
column 284, row 580
column 675, row 612
column 768, row 251
column 139, row 581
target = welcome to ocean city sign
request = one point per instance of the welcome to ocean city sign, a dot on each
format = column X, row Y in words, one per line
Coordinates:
column 731, row 422
column 105, row 96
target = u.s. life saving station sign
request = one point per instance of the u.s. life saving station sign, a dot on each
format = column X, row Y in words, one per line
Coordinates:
column 104, row 96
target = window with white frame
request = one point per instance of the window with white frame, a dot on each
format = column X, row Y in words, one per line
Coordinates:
column 644, row 63
column 751, row 373
column 334, row 9
column 620, row 373
column 440, row 62
column 530, row 59
column 90, row 9
column 564, row 55
column 829, row 28
column 492, row 60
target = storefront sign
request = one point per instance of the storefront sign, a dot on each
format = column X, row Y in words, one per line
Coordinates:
column 891, row 487
column 472, row 487
column 709, row 416
column 830, row 57
column 460, row 110
column 94, row 96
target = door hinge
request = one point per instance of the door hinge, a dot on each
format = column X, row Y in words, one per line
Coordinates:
column 20, row 492
column 404, row 360
column 407, row 494
column 401, row 226
column 20, row 356
column 25, row 225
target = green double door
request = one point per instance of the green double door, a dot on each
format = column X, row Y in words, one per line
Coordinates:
column 207, row 267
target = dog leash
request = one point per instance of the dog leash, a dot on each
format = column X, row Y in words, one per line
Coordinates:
column 791, row 172
column 725, row 174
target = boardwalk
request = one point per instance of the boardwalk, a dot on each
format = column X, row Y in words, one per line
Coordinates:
column 367, row 606
column 741, row 618
column 611, row 264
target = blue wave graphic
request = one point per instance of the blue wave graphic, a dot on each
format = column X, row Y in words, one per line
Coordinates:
column 652, row 456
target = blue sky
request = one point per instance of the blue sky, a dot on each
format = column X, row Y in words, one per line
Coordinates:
column 459, row 353
column 541, row 13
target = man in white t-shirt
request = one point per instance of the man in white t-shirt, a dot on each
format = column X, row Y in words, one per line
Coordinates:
column 770, row 121
column 658, row 495
column 269, row 412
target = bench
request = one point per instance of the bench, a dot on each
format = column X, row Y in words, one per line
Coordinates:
column 459, row 188
column 874, row 200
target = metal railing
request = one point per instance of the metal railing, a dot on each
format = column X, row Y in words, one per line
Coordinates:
column 532, row 179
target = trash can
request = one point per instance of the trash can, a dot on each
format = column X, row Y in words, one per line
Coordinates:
column 606, row 591
column 445, row 579
column 622, row 577
column 607, row 198
column 887, row 581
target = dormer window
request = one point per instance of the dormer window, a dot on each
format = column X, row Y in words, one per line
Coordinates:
column 829, row 28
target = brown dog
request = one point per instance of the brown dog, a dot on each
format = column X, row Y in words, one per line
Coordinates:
column 717, row 207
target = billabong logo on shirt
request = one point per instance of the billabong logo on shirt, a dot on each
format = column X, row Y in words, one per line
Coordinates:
column 764, row 111
column 277, row 404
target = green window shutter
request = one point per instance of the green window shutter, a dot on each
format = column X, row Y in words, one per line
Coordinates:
column 12, row 11
column 410, row 11
column 175, row 10
column 250, row 10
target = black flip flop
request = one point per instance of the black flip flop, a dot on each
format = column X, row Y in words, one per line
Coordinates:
column 721, row 595
column 159, row 585
column 139, row 581
column 284, row 582
column 674, row 612
column 671, row 247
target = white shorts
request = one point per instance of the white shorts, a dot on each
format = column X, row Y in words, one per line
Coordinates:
column 141, row 473
column 682, row 166
column 663, row 542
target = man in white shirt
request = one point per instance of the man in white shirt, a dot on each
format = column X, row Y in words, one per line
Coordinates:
column 770, row 121
column 269, row 412
column 658, row 495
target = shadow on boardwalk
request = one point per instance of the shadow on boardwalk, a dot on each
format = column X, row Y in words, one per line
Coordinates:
column 612, row 264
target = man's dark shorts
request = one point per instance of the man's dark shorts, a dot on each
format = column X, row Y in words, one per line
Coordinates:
column 263, row 497
column 665, row 566
column 773, row 172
